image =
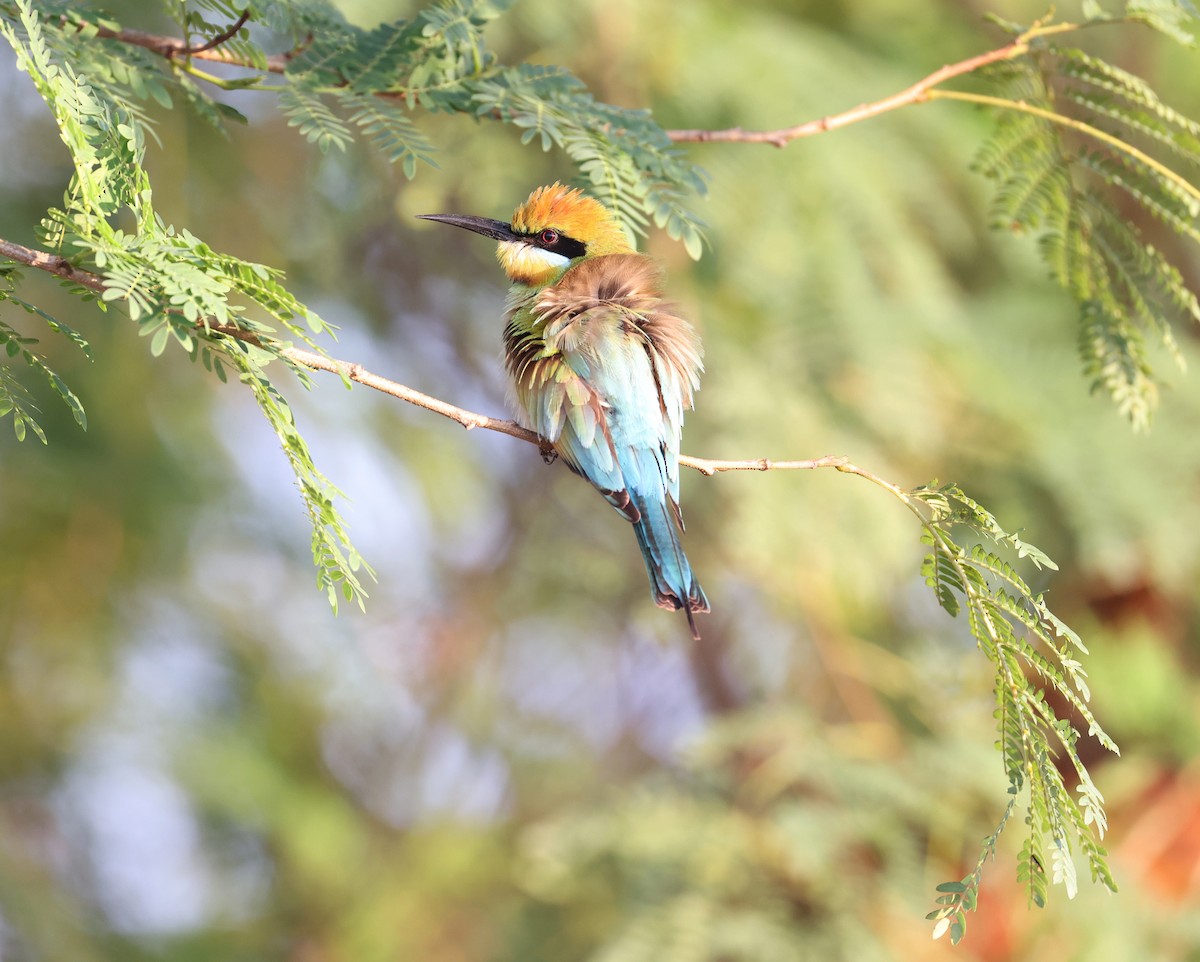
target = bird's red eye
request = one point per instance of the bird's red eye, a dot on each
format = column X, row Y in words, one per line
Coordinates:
column 548, row 237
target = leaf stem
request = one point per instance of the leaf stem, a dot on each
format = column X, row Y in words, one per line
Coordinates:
column 1084, row 128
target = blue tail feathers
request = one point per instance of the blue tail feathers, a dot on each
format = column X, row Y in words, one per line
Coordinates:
column 671, row 580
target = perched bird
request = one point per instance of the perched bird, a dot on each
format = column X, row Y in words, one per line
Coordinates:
column 600, row 366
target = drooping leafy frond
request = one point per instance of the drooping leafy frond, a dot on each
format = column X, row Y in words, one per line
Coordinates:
column 337, row 562
column 1079, row 141
column 306, row 110
column 1032, row 652
column 14, row 396
column 173, row 285
column 392, row 132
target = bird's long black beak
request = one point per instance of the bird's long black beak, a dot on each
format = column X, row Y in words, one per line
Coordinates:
column 496, row 229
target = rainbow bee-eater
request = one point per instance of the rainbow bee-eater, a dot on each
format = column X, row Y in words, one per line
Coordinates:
column 600, row 366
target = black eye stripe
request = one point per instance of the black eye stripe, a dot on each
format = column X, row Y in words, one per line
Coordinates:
column 569, row 247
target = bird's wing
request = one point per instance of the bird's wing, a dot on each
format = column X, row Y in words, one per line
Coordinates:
column 603, row 368
column 610, row 323
column 561, row 405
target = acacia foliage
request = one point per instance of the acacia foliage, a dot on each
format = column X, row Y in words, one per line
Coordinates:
column 1078, row 142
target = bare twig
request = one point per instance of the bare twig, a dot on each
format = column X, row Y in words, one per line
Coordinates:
column 60, row 267
column 357, row 373
column 917, row 93
column 711, row 467
column 222, row 37
column 920, row 92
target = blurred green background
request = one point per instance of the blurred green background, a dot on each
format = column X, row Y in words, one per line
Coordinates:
column 512, row 755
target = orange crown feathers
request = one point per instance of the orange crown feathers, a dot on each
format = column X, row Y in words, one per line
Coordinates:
column 573, row 213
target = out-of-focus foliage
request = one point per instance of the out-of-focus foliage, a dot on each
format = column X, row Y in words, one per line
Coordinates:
column 493, row 761
column 174, row 284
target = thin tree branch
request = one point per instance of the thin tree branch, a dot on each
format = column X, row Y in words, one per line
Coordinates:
column 222, row 37
column 920, row 92
column 360, row 375
column 51, row 263
column 176, row 47
column 350, row 371
column 172, row 47
column 710, row 467
column 917, row 93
